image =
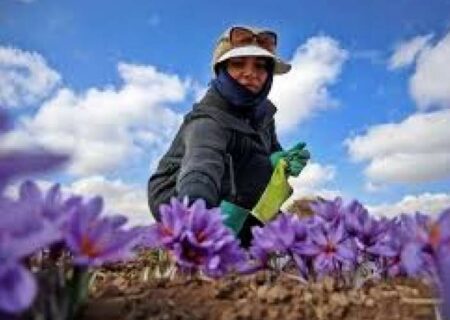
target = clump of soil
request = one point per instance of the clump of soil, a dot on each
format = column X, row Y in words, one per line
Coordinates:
column 128, row 293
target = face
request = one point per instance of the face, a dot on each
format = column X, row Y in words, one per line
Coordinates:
column 251, row 72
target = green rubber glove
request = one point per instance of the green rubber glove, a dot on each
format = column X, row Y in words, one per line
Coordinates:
column 275, row 194
column 296, row 158
column 233, row 215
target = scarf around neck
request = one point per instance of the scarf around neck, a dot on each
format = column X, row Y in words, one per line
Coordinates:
column 242, row 99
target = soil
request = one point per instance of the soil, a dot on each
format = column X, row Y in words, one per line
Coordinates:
column 128, row 292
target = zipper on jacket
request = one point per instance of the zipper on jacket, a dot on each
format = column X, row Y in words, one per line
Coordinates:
column 232, row 181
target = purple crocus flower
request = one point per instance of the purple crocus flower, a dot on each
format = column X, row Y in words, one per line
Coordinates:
column 174, row 220
column 22, row 232
column 278, row 239
column 51, row 206
column 329, row 247
column 330, row 211
column 389, row 252
column 197, row 238
column 94, row 240
column 365, row 230
column 17, row 288
column 424, row 237
column 23, row 228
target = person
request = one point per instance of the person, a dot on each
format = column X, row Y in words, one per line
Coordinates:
column 222, row 151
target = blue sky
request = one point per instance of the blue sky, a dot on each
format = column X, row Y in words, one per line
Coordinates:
column 109, row 81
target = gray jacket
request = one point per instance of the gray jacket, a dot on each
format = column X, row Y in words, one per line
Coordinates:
column 216, row 155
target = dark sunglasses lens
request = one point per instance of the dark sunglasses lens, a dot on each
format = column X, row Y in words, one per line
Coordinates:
column 240, row 36
column 267, row 40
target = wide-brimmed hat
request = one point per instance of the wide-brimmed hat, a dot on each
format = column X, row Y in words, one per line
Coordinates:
column 226, row 48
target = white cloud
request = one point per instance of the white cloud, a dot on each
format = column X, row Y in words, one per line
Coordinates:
column 105, row 128
column 25, row 78
column 430, row 84
column 414, row 150
column 303, row 91
column 119, row 197
column 312, row 182
column 428, row 203
column 406, row 52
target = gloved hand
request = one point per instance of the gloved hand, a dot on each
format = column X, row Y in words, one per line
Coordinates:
column 233, row 216
column 275, row 194
column 296, row 158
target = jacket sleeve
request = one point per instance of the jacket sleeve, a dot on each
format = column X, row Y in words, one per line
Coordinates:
column 203, row 163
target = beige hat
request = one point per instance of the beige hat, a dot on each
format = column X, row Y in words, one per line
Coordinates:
column 225, row 50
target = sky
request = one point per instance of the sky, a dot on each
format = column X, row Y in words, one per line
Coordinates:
column 108, row 83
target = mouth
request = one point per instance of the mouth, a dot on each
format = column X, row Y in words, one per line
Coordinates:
column 252, row 88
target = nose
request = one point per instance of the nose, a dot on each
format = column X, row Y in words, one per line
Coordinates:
column 249, row 69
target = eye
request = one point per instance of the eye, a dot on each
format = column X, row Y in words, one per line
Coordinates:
column 236, row 63
column 260, row 64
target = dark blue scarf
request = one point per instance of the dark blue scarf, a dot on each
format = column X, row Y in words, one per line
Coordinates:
column 253, row 105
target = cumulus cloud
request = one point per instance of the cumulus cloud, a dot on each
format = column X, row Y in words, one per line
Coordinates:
column 119, row 197
column 428, row 203
column 430, row 84
column 105, row 128
column 25, row 78
column 312, row 182
column 301, row 92
column 406, row 52
column 414, row 150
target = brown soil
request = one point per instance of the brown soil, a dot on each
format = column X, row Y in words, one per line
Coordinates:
column 125, row 293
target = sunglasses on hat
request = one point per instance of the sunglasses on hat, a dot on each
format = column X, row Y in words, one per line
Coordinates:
column 240, row 36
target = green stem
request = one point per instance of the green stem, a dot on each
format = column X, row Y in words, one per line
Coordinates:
column 78, row 286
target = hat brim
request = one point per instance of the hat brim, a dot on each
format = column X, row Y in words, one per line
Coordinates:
column 281, row 67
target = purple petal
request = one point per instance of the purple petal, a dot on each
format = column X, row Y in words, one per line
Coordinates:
column 411, row 259
column 384, row 250
column 308, row 249
column 30, row 192
column 345, row 252
column 17, row 288
column 93, row 207
column 323, row 264
column 19, row 163
column 338, row 233
column 317, row 235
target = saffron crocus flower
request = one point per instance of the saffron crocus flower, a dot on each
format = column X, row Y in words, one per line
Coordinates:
column 50, row 205
column 22, row 232
column 17, row 288
column 365, row 230
column 206, row 244
column 426, row 237
column 196, row 238
column 330, row 249
column 174, row 220
column 330, row 211
column 94, row 240
column 389, row 249
column 277, row 239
